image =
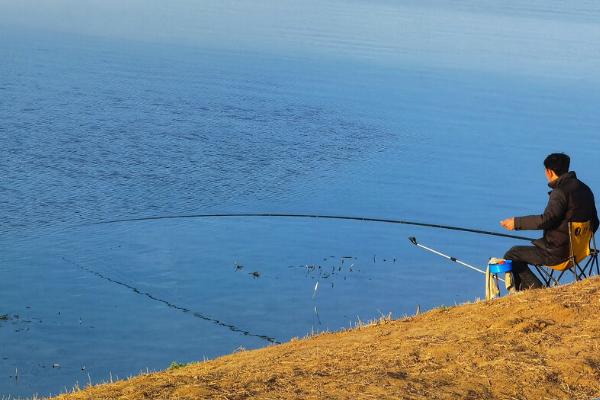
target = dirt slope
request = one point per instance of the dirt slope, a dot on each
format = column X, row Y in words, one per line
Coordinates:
column 541, row 344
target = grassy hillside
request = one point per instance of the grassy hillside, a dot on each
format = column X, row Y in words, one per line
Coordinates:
column 540, row 344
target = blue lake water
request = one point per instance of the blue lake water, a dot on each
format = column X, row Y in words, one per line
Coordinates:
column 425, row 111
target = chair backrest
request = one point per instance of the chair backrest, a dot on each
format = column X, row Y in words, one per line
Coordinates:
column 580, row 236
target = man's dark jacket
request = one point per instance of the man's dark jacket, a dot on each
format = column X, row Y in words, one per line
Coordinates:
column 570, row 201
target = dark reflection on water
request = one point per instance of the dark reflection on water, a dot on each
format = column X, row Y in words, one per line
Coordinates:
column 174, row 306
column 386, row 110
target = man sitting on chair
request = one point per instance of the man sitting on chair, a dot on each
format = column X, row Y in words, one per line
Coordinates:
column 570, row 201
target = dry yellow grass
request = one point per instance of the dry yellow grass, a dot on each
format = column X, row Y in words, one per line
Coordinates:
column 540, row 344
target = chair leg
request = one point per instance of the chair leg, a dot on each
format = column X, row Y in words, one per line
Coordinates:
column 547, row 277
column 587, row 270
column 561, row 274
column 580, row 271
column 543, row 275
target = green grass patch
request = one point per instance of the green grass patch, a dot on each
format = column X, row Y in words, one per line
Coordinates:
column 176, row 365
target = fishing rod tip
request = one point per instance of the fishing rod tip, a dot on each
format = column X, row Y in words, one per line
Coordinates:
column 413, row 240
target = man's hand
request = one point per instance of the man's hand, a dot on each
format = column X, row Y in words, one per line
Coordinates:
column 508, row 223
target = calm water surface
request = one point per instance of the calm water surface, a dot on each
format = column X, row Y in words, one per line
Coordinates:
column 420, row 111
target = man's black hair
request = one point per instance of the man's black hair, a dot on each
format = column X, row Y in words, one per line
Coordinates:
column 558, row 162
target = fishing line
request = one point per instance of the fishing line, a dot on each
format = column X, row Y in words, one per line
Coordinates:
column 317, row 216
column 186, row 310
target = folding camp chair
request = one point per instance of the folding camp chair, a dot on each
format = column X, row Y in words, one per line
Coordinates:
column 582, row 245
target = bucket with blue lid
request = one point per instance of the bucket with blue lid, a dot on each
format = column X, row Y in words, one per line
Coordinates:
column 499, row 265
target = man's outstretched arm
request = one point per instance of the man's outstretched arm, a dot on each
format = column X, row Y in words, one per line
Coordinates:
column 551, row 218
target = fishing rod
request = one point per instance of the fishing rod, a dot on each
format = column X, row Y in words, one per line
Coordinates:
column 413, row 240
column 317, row 216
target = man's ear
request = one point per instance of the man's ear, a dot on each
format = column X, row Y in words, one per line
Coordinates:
column 551, row 175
